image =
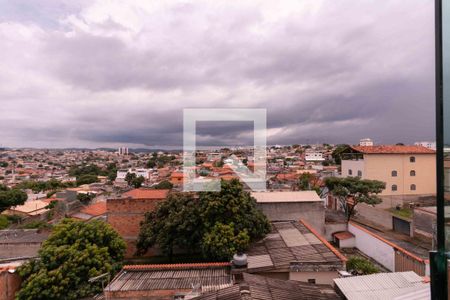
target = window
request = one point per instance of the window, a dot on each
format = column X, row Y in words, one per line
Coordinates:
column 412, row 173
column 394, row 188
column 394, row 173
column 359, row 173
column 412, row 159
column 412, row 187
column 350, row 172
column 312, row 280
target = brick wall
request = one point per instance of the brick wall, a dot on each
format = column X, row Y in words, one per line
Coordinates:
column 125, row 216
column 148, row 294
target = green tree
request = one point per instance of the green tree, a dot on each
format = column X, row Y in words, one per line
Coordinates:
column 175, row 223
column 137, row 182
column 189, row 222
column 130, row 177
column 87, row 179
column 163, row 185
column 223, row 241
column 338, row 151
column 74, row 252
column 11, row 197
column 353, row 190
column 233, row 205
column 85, row 198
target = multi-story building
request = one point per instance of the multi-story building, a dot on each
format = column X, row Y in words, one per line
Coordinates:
column 365, row 142
column 406, row 170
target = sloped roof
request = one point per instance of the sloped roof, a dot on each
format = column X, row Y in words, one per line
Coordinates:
column 293, row 246
column 95, row 209
column 260, row 287
column 380, row 286
column 210, row 277
column 393, row 149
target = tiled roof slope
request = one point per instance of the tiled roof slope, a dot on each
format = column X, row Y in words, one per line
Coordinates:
column 393, row 149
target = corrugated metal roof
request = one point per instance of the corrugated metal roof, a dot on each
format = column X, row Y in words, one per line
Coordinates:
column 382, row 286
column 421, row 294
column 210, row 278
column 263, row 288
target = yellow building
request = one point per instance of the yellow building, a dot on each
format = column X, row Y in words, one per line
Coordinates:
column 406, row 170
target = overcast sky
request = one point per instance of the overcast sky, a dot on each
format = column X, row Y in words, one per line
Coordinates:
column 109, row 73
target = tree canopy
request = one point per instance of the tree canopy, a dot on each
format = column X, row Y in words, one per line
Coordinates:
column 11, row 197
column 74, row 252
column 217, row 223
column 353, row 190
column 338, row 151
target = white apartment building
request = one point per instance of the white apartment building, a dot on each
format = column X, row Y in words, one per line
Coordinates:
column 366, row 142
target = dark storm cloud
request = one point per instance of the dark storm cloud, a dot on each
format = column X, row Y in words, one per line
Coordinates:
column 116, row 73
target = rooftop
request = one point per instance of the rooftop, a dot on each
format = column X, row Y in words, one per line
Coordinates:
column 146, row 194
column 33, row 207
column 95, row 209
column 393, row 149
column 17, row 236
column 380, row 286
column 293, row 246
column 300, row 196
column 210, row 277
column 260, row 287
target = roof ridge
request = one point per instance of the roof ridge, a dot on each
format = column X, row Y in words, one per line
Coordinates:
column 176, row 266
column 324, row 241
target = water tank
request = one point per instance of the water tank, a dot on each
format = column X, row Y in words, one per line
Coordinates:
column 240, row 260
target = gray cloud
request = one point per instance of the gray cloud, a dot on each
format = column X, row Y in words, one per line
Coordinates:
column 110, row 73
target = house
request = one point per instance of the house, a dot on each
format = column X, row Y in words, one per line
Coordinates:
column 408, row 171
column 91, row 212
column 292, row 206
column 212, row 281
column 125, row 214
column 30, row 209
column 295, row 251
column 176, row 178
column 169, row 281
column 313, row 156
column 386, row 286
column 255, row 287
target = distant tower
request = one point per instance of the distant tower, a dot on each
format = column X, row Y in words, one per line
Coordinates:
column 365, row 142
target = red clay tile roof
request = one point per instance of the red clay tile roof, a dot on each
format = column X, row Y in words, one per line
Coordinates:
column 177, row 266
column 393, row 149
column 95, row 209
column 146, row 194
column 177, row 175
column 343, row 235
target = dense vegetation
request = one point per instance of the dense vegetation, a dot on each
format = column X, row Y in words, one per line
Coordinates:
column 11, row 197
column 74, row 252
column 361, row 266
column 219, row 224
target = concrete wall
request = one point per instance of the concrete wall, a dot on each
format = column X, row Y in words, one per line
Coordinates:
column 354, row 166
column 19, row 250
column 423, row 222
column 311, row 212
column 320, row 277
column 331, row 228
column 373, row 247
column 380, row 166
